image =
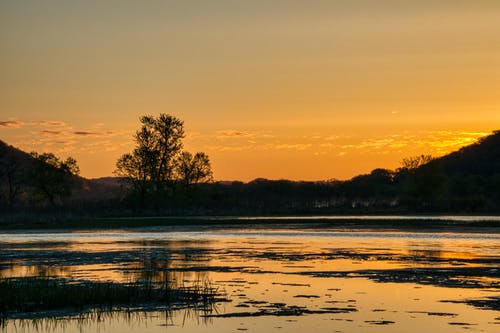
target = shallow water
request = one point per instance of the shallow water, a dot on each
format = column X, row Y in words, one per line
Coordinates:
column 286, row 280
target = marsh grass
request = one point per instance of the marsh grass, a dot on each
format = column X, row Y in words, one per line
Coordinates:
column 98, row 320
column 39, row 297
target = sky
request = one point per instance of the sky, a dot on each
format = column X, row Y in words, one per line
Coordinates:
column 302, row 90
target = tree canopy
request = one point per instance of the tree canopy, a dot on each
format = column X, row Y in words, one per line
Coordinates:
column 51, row 177
column 158, row 163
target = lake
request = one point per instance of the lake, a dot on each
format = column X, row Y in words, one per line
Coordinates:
column 286, row 279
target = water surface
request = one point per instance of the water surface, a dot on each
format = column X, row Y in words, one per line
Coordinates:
column 284, row 280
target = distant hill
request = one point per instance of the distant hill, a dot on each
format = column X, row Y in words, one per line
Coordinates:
column 467, row 180
column 95, row 189
column 14, row 154
column 481, row 158
column 105, row 188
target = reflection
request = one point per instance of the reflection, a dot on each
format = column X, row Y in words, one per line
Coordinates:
column 116, row 261
column 96, row 321
column 124, row 276
column 300, row 273
column 41, row 297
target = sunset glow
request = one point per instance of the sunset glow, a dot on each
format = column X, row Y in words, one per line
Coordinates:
column 303, row 90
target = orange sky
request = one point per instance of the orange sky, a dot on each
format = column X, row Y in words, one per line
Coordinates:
column 277, row 89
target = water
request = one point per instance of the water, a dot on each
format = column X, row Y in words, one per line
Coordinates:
column 283, row 280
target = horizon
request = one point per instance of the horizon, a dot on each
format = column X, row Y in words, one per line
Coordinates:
column 281, row 90
column 495, row 132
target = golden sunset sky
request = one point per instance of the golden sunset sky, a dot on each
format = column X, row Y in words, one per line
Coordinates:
column 304, row 90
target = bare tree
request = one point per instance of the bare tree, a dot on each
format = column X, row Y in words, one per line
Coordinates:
column 410, row 164
column 193, row 169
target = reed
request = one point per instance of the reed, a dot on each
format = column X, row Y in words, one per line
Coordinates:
column 22, row 297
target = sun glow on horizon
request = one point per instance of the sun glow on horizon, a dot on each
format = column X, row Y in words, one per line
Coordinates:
column 284, row 89
column 245, row 154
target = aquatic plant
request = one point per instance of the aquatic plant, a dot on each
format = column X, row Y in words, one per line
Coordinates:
column 44, row 296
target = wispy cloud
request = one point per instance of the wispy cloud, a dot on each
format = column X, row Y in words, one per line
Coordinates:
column 61, row 137
column 85, row 133
column 96, row 133
column 50, row 123
column 224, row 148
column 11, row 123
column 436, row 142
column 233, row 134
column 100, row 146
column 289, row 146
column 49, row 132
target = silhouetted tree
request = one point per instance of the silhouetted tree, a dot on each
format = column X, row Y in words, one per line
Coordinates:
column 11, row 174
column 157, row 163
column 421, row 179
column 193, row 169
column 410, row 164
column 133, row 170
column 150, row 167
column 51, row 177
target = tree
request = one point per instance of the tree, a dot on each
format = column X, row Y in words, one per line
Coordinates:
column 422, row 180
column 193, row 169
column 151, row 164
column 11, row 170
column 410, row 164
column 157, row 162
column 51, row 177
column 10, row 173
column 159, row 141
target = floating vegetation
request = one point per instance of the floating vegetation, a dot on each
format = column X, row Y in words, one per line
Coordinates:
column 487, row 303
column 439, row 314
column 280, row 310
column 379, row 322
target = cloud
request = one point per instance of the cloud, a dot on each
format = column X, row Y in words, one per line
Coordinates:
column 328, row 145
column 293, row 146
column 193, row 135
column 221, row 148
column 100, row 146
column 49, row 132
column 86, row 133
column 11, row 123
column 65, row 143
column 233, row 134
column 435, row 142
column 51, row 123
column 92, row 133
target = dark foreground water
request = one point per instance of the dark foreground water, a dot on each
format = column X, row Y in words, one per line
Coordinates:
column 284, row 280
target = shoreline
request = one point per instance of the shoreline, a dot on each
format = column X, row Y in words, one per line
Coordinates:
column 488, row 224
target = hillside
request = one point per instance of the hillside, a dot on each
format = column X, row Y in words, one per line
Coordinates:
column 481, row 158
column 15, row 164
column 13, row 155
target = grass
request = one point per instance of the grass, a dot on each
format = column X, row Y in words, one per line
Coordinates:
column 41, row 296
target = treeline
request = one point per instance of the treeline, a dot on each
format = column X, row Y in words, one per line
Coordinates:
column 34, row 180
column 159, row 178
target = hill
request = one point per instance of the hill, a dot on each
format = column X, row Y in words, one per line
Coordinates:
column 481, row 158
column 16, row 185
